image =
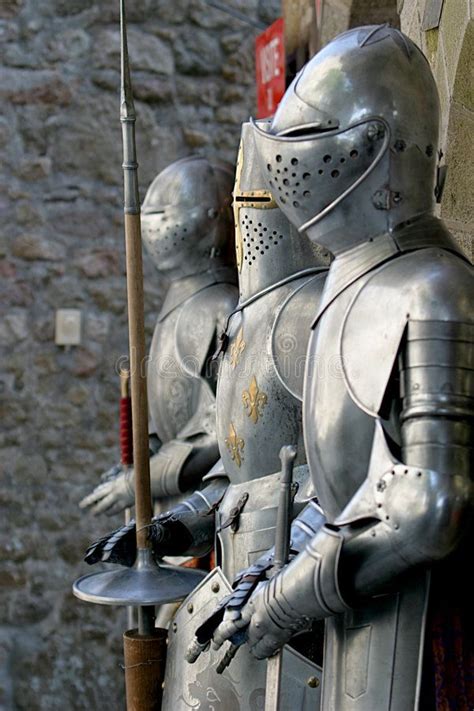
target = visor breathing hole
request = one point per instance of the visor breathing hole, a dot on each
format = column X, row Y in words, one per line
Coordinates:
column 354, row 154
column 278, row 158
column 327, row 159
column 334, row 174
column 269, row 167
column 294, row 161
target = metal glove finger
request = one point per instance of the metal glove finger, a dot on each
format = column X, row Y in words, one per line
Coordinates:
column 117, row 507
column 195, row 650
column 98, row 493
column 267, row 646
column 232, row 623
column 94, row 552
column 104, row 505
column 121, row 546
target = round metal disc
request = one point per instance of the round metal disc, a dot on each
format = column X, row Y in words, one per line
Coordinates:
column 148, row 584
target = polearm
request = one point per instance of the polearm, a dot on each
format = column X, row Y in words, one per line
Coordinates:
column 146, row 583
column 136, row 319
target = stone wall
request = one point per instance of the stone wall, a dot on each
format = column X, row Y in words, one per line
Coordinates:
column 61, row 246
column 450, row 51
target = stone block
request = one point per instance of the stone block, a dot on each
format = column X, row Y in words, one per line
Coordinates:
column 197, row 52
column 146, row 52
column 10, row 8
column 31, row 247
column 463, row 88
column 453, row 23
column 100, row 263
column 458, row 202
column 22, row 86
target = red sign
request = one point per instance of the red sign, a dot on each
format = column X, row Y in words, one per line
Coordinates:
column 270, row 66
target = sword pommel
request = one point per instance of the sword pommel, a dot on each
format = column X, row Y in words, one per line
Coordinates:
column 287, row 458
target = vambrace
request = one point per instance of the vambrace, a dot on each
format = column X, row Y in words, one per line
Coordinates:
column 307, row 588
column 189, row 527
column 180, row 464
column 419, row 509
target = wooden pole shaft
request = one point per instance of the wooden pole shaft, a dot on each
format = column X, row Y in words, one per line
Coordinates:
column 136, row 335
column 145, row 659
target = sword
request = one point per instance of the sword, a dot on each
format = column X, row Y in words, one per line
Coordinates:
column 282, row 552
column 280, row 558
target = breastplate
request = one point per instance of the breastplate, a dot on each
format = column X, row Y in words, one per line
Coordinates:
column 338, row 433
column 172, row 392
column 260, row 380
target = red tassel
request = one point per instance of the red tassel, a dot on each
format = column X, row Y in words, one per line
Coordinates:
column 126, row 438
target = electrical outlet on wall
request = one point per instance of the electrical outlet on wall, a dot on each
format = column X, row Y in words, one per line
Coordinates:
column 68, row 327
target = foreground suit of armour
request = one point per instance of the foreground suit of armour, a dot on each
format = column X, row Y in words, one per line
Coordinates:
column 186, row 226
column 259, row 410
column 388, row 437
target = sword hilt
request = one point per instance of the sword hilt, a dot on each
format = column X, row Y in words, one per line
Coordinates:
column 283, row 524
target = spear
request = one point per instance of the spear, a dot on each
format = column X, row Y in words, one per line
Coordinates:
column 146, row 584
column 136, row 320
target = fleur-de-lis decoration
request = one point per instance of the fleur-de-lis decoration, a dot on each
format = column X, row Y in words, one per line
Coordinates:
column 254, row 400
column 235, row 445
column 237, row 348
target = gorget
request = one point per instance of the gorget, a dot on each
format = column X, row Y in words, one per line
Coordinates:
column 426, row 231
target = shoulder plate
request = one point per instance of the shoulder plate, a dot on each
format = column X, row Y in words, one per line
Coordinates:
column 199, row 322
column 291, row 330
column 426, row 285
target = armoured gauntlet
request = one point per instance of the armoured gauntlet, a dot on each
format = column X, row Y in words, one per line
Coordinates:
column 227, row 620
column 174, row 468
column 116, row 492
column 187, row 529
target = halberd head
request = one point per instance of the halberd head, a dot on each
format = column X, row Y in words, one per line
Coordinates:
column 353, row 143
column 186, row 215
